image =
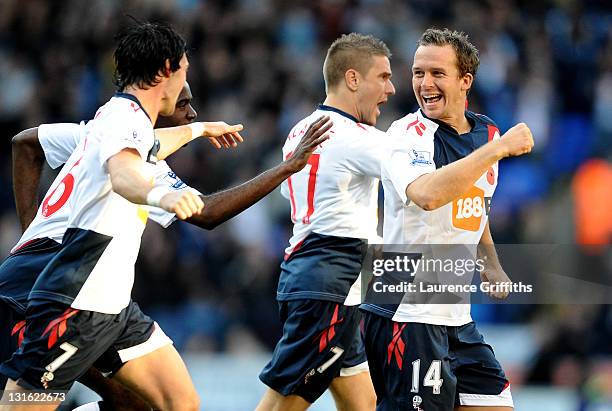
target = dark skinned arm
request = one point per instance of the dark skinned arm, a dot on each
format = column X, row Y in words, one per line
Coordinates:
column 28, row 160
column 220, row 207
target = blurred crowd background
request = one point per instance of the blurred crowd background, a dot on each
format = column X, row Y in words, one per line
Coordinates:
column 259, row 62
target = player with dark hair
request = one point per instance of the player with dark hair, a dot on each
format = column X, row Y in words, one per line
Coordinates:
column 333, row 209
column 142, row 51
column 79, row 309
column 438, row 174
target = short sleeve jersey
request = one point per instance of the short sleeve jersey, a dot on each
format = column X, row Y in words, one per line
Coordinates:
column 100, row 258
column 334, row 203
column 419, row 146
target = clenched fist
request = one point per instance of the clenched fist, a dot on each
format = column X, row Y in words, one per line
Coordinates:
column 182, row 203
column 517, row 141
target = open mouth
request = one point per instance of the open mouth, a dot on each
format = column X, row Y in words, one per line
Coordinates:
column 432, row 98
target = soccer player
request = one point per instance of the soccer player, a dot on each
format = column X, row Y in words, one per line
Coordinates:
column 437, row 176
column 80, row 307
column 55, row 142
column 333, row 208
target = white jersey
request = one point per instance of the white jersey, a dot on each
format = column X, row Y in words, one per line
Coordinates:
column 58, row 142
column 419, row 146
column 104, row 229
column 336, row 194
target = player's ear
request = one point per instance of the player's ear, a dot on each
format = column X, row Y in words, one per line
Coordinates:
column 167, row 70
column 466, row 82
column 351, row 78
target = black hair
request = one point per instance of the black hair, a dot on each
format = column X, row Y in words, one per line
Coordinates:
column 142, row 51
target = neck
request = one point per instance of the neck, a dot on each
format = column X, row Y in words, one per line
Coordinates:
column 458, row 121
column 342, row 102
column 149, row 99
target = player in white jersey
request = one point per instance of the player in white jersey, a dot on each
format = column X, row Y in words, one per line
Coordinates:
column 439, row 175
column 54, row 143
column 334, row 209
column 82, row 295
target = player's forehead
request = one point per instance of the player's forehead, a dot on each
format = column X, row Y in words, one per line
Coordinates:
column 185, row 93
column 380, row 65
column 433, row 56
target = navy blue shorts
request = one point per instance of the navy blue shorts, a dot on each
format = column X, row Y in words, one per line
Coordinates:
column 12, row 327
column 61, row 343
column 321, row 341
column 19, row 271
column 418, row 366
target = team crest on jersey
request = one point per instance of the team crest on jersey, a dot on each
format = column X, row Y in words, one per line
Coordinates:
column 416, row 403
column 174, row 181
column 420, row 158
column 136, row 137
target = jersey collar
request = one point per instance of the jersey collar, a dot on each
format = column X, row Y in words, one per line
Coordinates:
column 446, row 126
column 134, row 99
column 337, row 110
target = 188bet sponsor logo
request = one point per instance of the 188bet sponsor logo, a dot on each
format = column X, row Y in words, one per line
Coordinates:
column 469, row 209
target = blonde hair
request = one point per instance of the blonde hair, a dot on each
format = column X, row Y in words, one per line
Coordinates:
column 351, row 51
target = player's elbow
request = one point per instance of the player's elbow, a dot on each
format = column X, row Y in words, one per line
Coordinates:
column 204, row 221
column 26, row 141
column 426, row 203
column 423, row 198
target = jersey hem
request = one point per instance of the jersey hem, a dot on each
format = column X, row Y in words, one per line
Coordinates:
column 51, row 296
column 310, row 295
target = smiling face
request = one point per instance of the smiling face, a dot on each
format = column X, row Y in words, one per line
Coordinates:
column 374, row 89
column 438, row 86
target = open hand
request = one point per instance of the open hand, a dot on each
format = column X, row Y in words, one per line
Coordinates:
column 314, row 136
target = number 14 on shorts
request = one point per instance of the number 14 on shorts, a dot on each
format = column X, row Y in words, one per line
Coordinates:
column 431, row 379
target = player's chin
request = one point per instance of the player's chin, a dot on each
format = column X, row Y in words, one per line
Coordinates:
column 431, row 112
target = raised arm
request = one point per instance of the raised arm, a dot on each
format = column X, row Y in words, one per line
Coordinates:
column 221, row 206
column 28, row 160
column 433, row 190
column 218, row 133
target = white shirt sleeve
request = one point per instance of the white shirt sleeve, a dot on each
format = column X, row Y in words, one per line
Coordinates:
column 59, row 140
column 165, row 177
column 121, row 135
column 407, row 157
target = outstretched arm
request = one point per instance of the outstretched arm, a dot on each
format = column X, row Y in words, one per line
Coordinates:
column 28, row 160
column 218, row 133
column 220, row 207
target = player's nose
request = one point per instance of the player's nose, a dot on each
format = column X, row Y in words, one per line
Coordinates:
column 427, row 81
column 191, row 113
column 390, row 88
